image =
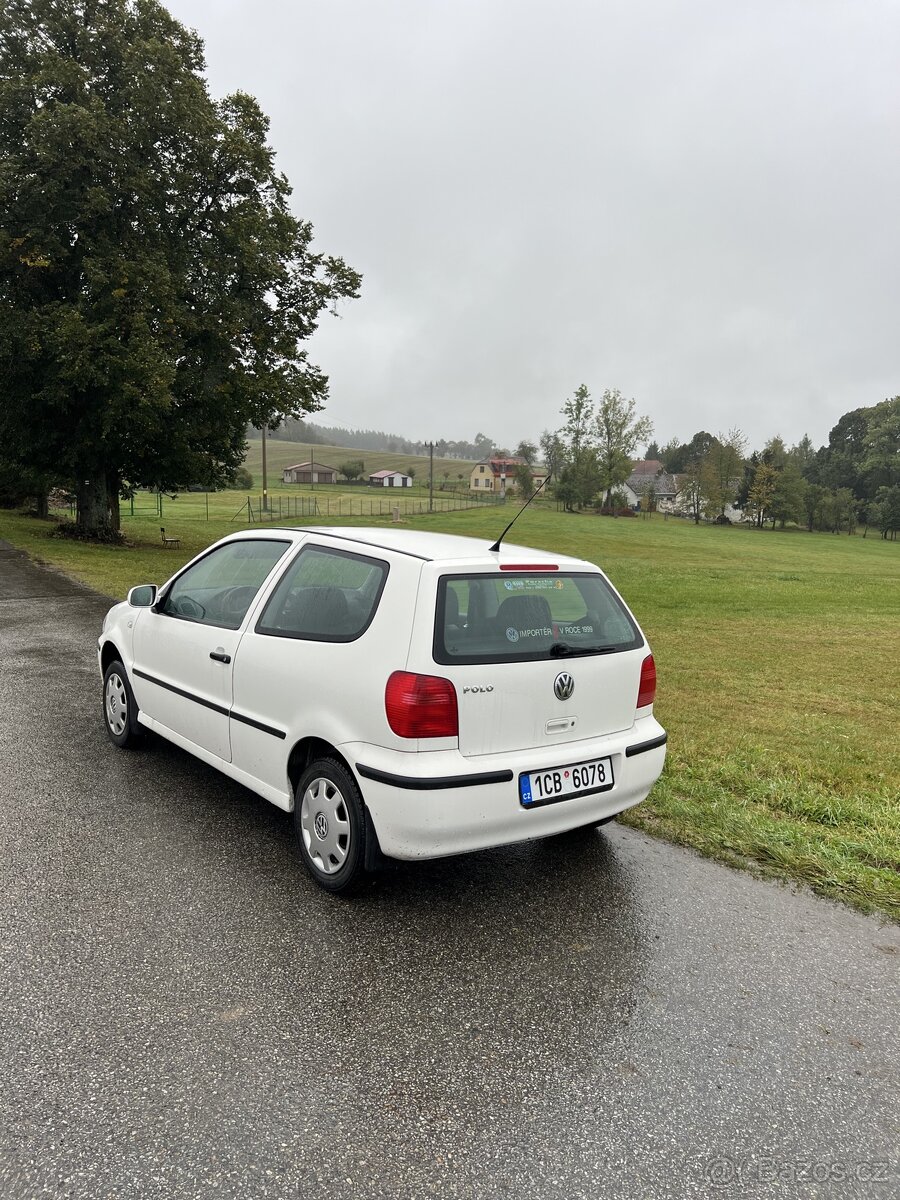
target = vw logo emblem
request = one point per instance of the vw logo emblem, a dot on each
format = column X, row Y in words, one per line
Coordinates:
column 564, row 685
column 321, row 826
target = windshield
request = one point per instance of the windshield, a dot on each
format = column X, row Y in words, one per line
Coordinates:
column 503, row 618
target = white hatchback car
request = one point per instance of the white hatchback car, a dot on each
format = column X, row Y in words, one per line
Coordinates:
column 406, row 694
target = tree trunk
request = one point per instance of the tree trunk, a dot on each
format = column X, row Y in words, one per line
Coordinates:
column 97, row 506
column 42, row 503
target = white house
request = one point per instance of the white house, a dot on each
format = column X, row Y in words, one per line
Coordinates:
column 390, row 479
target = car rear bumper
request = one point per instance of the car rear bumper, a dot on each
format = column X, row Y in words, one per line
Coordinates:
column 429, row 805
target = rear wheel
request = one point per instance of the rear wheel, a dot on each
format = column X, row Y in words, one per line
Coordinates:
column 119, row 708
column 330, row 823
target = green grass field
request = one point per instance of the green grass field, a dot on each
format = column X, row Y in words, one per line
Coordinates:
column 778, row 670
column 284, row 454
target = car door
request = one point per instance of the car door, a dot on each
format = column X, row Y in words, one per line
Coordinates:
column 184, row 646
column 301, row 667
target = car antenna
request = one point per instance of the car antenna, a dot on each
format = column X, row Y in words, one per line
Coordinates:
column 546, row 480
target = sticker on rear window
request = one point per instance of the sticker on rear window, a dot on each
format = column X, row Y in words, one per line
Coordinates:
column 513, row 635
column 532, row 585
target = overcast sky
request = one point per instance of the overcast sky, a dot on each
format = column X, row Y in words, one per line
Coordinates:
column 694, row 201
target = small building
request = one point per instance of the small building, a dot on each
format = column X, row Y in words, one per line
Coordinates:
column 309, row 472
column 499, row 474
column 390, row 479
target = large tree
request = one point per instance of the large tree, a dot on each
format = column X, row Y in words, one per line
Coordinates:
column 618, row 433
column 881, row 462
column 593, row 451
column 155, row 287
column 570, row 454
column 723, row 469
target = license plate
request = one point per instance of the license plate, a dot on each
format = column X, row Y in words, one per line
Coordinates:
column 564, row 783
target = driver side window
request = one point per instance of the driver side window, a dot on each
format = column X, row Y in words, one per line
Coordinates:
column 220, row 588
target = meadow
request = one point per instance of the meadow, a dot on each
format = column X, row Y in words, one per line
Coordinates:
column 281, row 454
column 779, row 672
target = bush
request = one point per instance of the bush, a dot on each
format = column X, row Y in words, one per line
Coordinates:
column 242, row 480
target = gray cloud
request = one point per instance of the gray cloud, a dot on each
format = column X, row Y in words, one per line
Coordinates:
column 688, row 200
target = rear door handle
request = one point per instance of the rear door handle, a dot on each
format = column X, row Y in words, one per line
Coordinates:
column 219, row 656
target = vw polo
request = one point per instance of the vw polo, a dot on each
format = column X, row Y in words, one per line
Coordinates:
column 408, row 695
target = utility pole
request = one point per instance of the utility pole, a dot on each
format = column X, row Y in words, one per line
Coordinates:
column 431, row 476
column 265, row 481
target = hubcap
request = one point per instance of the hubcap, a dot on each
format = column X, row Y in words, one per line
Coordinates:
column 116, row 704
column 325, row 825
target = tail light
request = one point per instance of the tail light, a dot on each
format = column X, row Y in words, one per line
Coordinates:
column 647, row 686
column 421, row 706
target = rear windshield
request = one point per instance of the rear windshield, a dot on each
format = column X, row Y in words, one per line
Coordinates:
column 503, row 618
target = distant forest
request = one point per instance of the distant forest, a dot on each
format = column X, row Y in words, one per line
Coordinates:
column 293, row 430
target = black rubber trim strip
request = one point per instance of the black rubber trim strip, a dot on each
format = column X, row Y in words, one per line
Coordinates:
column 258, row 725
column 643, row 747
column 217, row 708
column 433, row 784
column 170, row 687
column 325, row 531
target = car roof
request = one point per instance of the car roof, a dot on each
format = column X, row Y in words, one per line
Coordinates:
column 431, row 547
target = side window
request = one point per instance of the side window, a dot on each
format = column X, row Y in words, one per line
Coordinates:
column 325, row 596
column 220, row 588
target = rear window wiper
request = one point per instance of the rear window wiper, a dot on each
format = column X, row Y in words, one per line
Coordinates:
column 562, row 649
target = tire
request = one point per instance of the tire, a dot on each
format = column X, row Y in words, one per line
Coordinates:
column 329, row 819
column 119, row 708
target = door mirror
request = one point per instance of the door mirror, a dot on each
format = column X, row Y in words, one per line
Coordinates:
column 142, row 596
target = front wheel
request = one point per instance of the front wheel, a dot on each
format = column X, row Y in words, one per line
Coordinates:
column 119, row 708
column 330, row 824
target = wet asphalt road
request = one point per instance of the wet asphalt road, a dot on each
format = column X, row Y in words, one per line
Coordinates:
column 184, row 1014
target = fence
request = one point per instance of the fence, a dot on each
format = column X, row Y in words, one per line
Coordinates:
column 283, row 508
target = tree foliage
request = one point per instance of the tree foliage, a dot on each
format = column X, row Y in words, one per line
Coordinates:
column 354, row 468
column 155, row 287
column 524, row 480
column 592, row 452
column 242, row 480
column 762, row 491
column 722, row 469
column 619, row 431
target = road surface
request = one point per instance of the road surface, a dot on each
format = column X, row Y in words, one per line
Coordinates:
column 185, row 1015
